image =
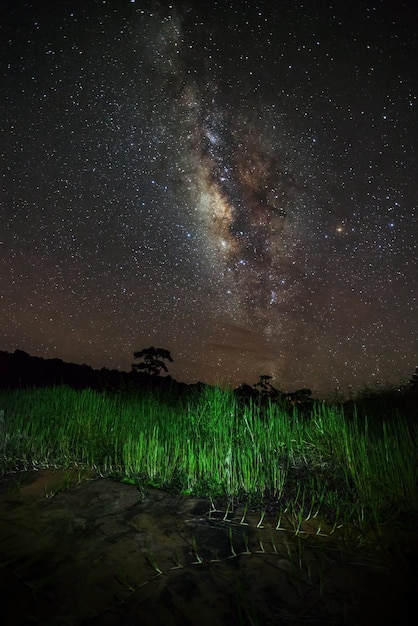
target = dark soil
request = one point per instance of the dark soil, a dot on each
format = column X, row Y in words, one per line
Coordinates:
column 78, row 549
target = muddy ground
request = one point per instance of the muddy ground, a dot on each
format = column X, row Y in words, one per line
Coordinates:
column 79, row 549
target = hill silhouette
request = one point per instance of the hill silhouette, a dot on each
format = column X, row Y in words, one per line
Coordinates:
column 19, row 369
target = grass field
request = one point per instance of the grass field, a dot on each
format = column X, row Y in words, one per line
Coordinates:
column 349, row 472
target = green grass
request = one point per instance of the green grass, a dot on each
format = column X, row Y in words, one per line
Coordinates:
column 317, row 465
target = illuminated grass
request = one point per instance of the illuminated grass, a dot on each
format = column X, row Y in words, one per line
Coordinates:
column 310, row 466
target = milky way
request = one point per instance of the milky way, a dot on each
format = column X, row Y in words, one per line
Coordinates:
column 244, row 188
column 233, row 182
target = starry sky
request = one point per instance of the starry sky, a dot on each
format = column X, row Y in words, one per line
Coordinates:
column 233, row 181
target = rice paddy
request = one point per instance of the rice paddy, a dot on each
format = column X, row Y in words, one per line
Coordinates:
column 348, row 472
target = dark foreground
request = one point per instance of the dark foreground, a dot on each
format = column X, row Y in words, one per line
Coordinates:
column 76, row 549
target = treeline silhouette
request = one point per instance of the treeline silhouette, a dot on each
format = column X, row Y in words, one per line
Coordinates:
column 19, row 370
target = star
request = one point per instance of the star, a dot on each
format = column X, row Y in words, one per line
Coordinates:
column 234, row 185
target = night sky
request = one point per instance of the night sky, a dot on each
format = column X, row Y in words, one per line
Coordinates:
column 235, row 182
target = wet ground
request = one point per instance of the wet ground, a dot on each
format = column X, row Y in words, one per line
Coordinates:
column 78, row 549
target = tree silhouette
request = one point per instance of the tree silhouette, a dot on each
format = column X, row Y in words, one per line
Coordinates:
column 413, row 383
column 152, row 360
column 265, row 387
